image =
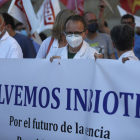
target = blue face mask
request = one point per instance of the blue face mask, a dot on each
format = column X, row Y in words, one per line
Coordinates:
column 92, row 28
column 24, row 32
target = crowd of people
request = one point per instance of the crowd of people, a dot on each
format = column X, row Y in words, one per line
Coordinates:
column 73, row 37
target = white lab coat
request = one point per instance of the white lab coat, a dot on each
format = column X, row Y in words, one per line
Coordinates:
column 44, row 47
column 9, row 48
column 129, row 54
column 86, row 52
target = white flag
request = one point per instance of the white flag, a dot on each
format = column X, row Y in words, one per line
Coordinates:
column 123, row 12
column 23, row 11
column 47, row 14
column 37, row 38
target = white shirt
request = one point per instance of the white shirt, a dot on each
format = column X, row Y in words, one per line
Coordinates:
column 86, row 52
column 129, row 54
column 9, row 48
column 44, row 47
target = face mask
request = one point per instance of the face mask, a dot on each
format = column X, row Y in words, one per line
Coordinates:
column 92, row 28
column 74, row 40
column 24, row 32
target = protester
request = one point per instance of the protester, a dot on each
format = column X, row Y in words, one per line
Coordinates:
column 102, row 24
column 130, row 20
column 58, row 39
column 25, row 42
column 100, row 41
column 75, row 30
column 18, row 27
column 9, row 48
column 123, row 40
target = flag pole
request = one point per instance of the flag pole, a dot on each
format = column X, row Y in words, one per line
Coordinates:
column 113, row 8
column 76, row 6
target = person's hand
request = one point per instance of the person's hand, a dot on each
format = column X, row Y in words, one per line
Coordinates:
column 54, row 57
column 98, row 56
column 124, row 59
column 101, row 5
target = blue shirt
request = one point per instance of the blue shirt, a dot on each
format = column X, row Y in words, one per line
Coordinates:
column 26, row 45
column 37, row 46
column 137, row 46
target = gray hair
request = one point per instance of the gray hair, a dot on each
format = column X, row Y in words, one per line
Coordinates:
column 123, row 37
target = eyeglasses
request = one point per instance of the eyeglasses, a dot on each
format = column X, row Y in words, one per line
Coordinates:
column 93, row 21
column 129, row 23
column 75, row 33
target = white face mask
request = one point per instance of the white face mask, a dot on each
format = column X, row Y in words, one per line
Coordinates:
column 74, row 40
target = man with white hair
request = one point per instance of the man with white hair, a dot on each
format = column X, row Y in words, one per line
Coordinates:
column 9, row 48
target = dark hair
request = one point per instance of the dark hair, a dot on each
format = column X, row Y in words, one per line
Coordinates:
column 18, row 24
column 76, row 18
column 123, row 37
column 8, row 19
column 127, row 16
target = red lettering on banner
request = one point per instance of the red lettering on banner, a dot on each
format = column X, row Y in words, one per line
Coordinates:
column 19, row 4
column 49, row 16
column 81, row 9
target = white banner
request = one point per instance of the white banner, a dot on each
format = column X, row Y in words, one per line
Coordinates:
column 47, row 14
column 69, row 100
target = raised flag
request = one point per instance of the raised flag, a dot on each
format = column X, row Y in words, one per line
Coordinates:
column 47, row 14
column 123, row 12
column 132, row 6
column 108, row 5
column 23, row 11
column 71, row 4
column 3, row 1
column 64, row 2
